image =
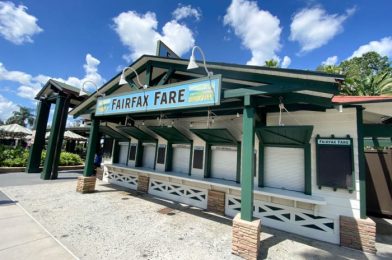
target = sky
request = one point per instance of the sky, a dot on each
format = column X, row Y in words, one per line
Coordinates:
column 78, row 41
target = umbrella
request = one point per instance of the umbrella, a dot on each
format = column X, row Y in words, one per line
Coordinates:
column 69, row 135
column 14, row 131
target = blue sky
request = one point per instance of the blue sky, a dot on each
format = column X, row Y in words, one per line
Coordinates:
column 74, row 41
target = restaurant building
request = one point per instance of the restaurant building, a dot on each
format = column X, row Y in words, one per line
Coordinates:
column 260, row 144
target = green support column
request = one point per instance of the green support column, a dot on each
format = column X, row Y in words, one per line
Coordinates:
column 139, row 154
column 116, row 151
column 361, row 164
column 308, row 170
column 169, row 157
column 261, row 164
column 59, row 140
column 43, row 109
column 190, row 159
column 238, row 173
column 54, row 132
column 248, row 143
column 91, row 148
column 207, row 162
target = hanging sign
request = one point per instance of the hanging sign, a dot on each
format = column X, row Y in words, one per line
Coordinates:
column 332, row 141
column 194, row 93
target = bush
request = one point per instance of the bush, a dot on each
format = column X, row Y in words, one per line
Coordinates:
column 17, row 157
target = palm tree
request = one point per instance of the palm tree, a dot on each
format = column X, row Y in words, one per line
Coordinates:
column 21, row 117
column 377, row 85
column 271, row 63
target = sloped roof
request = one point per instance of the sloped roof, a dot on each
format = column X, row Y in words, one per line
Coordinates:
column 360, row 99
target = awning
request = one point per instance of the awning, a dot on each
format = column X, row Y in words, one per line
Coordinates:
column 216, row 136
column 107, row 130
column 171, row 134
column 14, row 131
column 284, row 135
column 137, row 134
column 69, row 135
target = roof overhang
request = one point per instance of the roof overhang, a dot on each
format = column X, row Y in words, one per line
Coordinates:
column 171, row 134
column 284, row 135
column 215, row 136
column 137, row 133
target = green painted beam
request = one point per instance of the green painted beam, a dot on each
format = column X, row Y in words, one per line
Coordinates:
column 308, row 169
column 361, row 163
column 91, row 147
column 139, row 154
column 148, row 74
column 54, row 131
column 169, row 157
column 190, row 160
column 207, row 161
column 238, row 172
column 166, row 77
column 33, row 163
column 261, row 164
column 248, row 143
column 377, row 130
column 59, row 140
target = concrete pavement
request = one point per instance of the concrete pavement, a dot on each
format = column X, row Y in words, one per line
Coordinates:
column 21, row 237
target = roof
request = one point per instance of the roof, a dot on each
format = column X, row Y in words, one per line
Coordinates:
column 360, row 99
column 14, row 130
column 234, row 77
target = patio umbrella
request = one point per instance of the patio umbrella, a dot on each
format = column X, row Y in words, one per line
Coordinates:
column 69, row 135
column 14, row 131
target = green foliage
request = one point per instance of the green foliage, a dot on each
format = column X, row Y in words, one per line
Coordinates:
column 272, row 63
column 368, row 75
column 17, row 157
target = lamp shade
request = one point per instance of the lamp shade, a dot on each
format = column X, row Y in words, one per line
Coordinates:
column 82, row 92
column 192, row 63
column 122, row 79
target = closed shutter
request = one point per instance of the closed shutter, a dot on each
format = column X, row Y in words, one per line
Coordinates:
column 181, row 156
column 148, row 155
column 284, row 168
column 224, row 163
column 123, row 153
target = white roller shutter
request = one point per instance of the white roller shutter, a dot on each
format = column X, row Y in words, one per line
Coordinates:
column 224, row 163
column 123, row 153
column 181, row 156
column 284, row 168
column 148, row 155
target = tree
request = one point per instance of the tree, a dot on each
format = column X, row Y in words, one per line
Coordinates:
column 272, row 63
column 370, row 74
column 21, row 117
column 1, row 122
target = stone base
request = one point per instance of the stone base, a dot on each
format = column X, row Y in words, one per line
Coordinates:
column 86, row 184
column 143, row 183
column 216, row 201
column 358, row 234
column 246, row 238
column 99, row 173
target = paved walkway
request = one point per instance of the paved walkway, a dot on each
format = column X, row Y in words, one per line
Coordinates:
column 21, row 237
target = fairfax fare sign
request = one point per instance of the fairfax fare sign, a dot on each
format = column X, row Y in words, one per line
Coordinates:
column 194, row 93
column 331, row 141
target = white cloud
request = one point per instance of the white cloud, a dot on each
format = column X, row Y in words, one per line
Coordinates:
column 286, row 62
column 383, row 47
column 330, row 60
column 258, row 30
column 186, row 11
column 16, row 25
column 31, row 85
column 6, row 108
column 314, row 27
column 139, row 32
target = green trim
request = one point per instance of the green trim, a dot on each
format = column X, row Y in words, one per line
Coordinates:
column 248, row 129
column 166, row 77
column 136, row 133
column 54, row 132
column 169, row 157
column 190, row 160
column 92, row 146
column 215, row 136
column 361, row 164
column 156, row 155
column 148, row 74
column 261, row 164
column 171, row 134
column 377, row 130
column 285, row 135
column 207, row 161
column 308, row 169
column 238, row 172
column 43, row 109
column 116, row 151
column 139, row 154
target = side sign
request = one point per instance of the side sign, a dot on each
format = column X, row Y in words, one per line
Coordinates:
column 331, row 141
column 194, row 93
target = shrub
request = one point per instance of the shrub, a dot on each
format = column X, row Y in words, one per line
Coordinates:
column 67, row 158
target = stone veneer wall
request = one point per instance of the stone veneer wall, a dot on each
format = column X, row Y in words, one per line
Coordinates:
column 86, row 184
column 246, row 237
column 358, row 233
column 216, row 201
column 143, row 183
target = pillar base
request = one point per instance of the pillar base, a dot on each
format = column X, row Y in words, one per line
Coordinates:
column 143, row 183
column 99, row 173
column 216, row 201
column 358, row 234
column 246, row 238
column 86, row 184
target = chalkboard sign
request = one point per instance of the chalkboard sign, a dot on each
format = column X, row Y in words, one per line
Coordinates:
column 161, row 154
column 335, row 165
column 132, row 152
column 198, row 158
